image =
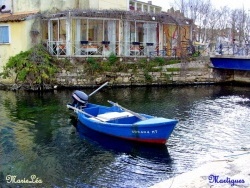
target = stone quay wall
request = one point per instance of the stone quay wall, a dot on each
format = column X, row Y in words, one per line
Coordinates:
column 195, row 72
column 185, row 73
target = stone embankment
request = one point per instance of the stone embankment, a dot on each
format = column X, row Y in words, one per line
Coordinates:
column 197, row 72
column 185, row 73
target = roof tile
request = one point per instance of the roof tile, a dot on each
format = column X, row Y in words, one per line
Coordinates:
column 15, row 17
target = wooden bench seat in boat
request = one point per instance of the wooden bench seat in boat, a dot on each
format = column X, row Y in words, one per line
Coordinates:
column 112, row 116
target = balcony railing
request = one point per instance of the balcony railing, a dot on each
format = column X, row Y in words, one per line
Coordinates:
column 105, row 48
column 57, row 47
column 235, row 50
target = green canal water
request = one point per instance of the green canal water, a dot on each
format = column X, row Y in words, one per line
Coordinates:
column 40, row 147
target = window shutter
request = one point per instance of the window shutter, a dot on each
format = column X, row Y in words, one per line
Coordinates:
column 4, row 34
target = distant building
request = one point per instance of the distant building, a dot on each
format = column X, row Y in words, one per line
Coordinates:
column 135, row 5
column 97, row 28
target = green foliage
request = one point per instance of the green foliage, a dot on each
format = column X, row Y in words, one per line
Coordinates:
column 173, row 61
column 148, row 77
column 105, row 66
column 174, row 69
column 112, row 58
column 91, row 60
column 159, row 60
column 113, row 65
column 35, row 66
column 66, row 64
column 196, row 54
column 167, row 76
column 94, row 66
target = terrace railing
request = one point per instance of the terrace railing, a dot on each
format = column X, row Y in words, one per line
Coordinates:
column 57, row 47
column 105, row 48
column 236, row 50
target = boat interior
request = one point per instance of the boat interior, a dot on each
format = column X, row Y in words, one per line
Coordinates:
column 111, row 114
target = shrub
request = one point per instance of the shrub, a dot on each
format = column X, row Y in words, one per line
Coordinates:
column 159, row 60
column 35, row 66
column 94, row 66
column 112, row 58
column 148, row 77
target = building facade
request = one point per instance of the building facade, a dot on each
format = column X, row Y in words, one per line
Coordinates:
column 97, row 28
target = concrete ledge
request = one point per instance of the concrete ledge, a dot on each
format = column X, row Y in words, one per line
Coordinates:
column 230, row 172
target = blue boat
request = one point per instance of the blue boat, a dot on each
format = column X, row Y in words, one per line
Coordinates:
column 232, row 62
column 120, row 122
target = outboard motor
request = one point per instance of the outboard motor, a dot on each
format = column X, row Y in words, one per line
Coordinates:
column 80, row 99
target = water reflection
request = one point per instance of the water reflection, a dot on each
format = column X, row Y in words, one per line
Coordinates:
column 116, row 145
column 133, row 161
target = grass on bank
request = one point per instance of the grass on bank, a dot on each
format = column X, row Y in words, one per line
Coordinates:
column 113, row 64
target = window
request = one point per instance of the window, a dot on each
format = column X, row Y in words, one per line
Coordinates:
column 4, row 34
column 58, row 30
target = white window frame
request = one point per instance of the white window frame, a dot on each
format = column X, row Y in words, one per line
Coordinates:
column 9, row 39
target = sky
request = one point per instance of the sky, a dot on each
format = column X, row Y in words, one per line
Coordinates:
column 234, row 4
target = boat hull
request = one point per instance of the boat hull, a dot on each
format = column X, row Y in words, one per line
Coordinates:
column 231, row 62
column 155, row 130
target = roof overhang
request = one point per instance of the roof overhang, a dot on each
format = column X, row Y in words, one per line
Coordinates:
column 163, row 17
column 17, row 17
